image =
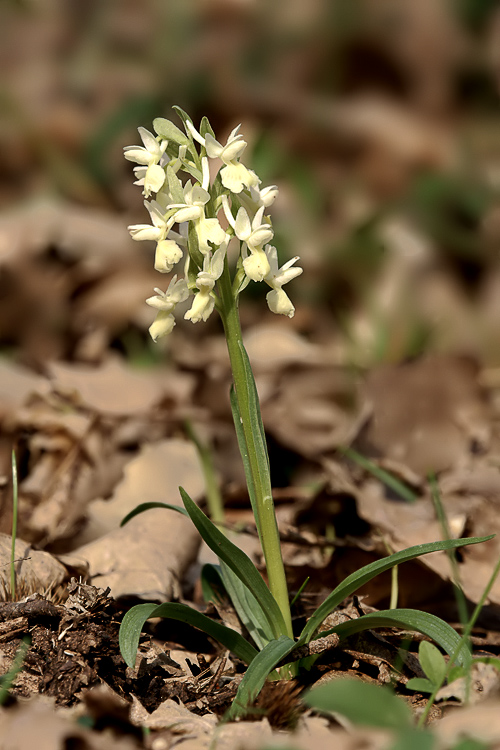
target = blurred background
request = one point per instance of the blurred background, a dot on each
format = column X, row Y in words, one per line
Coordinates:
column 378, row 119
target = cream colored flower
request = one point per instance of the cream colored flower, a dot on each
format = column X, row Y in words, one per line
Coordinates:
column 151, row 156
column 213, row 266
column 167, row 254
column 193, row 209
column 277, row 299
column 165, row 303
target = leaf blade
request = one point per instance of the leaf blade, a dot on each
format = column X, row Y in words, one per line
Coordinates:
column 238, row 562
column 366, row 573
column 134, row 619
column 412, row 619
column 143, row 507
column 257, row 673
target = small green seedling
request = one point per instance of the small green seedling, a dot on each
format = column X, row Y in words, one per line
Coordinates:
column 433, row 664
column 219, row 260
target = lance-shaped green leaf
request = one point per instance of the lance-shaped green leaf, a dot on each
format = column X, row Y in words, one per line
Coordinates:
column 134, row 619
column 259, row 437
column 148, row 506
column 247, row 608
column 205, row 127
column 257, row 673
column 171, row 132
column 409, row 619
column 366, row 573
column 238, row 562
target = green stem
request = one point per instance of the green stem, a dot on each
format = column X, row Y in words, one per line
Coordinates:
column 14, row 527
column 266, row 517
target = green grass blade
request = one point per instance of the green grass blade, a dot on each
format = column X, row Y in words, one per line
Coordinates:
column 147, row 506
column 360, row 702
column 396, row 485
column 365, row 574
column 134, row 619
column 238, row 562
column 409, row 619
column 248, row 608
column 257, row 673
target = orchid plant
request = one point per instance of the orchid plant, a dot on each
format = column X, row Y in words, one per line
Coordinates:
column 214, row 224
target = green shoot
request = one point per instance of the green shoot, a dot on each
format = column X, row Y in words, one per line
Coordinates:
column 382, row 475
column 15, row 496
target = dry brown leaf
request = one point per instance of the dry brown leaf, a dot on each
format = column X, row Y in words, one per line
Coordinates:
column 35, row 570
column 150, row 555
column 113, row 388
column 480, row 722
column 426, row 413
column 16, row 385
column 406, row 524
column 313, row 410
column 37, row 723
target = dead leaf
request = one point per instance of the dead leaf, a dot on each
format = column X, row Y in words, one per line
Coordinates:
column 150, row 555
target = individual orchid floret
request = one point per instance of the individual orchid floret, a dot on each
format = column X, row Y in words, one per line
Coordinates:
column 204, row 302
column 234, row 176
column 157, row 231
column 193, row 209
column 150, row 174
column 255, row 233
column 165, row 303
column 255, row 198
column 277, row 299
column 177, row 292
column 256, row 265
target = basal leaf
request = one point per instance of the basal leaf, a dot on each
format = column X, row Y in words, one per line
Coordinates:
column 409, row 619
column 361, row 703
column 131, row 629
column 257, row 673
column 247, row 608
column 134, row 619
column 148, row 506
column 212, row 585
column 366, row 573
column 238, row 562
